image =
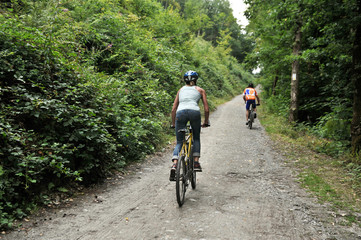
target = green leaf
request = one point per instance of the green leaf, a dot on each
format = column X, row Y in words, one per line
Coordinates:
column 62, row 189
column 51, row 186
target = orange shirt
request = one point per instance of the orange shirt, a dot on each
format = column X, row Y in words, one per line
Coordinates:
column 250, row 93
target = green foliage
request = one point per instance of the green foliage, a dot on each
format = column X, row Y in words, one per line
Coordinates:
column 87, row 86
column 330, row 174
column 52, row 124
column 318, row 185
column 278, row 105
column 211, row 20
column 325, row 91
column 335, row 125
column 353, row 165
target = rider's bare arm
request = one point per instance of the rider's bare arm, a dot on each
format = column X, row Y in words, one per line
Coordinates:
column 259, row 102
column 205, row 105
column 174, row 109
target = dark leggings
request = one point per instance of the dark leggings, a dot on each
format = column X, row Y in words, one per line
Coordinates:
column 182, row 117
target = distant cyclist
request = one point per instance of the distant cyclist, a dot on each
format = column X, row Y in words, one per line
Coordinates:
column 249, row 96
column 185, row 108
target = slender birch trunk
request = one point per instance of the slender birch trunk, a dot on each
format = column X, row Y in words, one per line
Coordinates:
column 295, row 77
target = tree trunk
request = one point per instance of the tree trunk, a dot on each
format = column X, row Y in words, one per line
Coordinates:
column 356, row 79
column 295, row 77
column 274, row 84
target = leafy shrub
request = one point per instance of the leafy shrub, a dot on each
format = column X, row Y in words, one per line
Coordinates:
column 334, row 125
column 52, row 126
column 278, row 104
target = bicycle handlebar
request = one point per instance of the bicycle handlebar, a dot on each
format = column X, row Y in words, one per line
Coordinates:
column 202, row 125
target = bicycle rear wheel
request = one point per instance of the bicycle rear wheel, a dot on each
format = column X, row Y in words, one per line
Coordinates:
column 251, row 119
column 180, row 185
column 194, row 173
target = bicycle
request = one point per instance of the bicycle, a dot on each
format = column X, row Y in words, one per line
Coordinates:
column 185, row 171
column 185, row 168
column 252, row 115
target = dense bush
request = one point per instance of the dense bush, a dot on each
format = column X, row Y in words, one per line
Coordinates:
column 52, row 123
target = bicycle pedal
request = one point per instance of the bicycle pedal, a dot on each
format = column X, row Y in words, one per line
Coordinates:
column 198, row 170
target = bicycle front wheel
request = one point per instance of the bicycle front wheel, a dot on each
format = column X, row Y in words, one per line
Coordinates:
column 180, row 185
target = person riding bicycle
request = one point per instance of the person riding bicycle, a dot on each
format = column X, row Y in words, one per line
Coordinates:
column 249, row 96
column 185, row 108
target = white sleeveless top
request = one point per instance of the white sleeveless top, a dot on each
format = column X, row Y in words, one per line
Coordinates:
column 189, row 98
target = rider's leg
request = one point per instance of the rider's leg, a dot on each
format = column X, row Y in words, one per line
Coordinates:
column 195, row 119
column 247, row 109
column 180, row 123
column 254, row 108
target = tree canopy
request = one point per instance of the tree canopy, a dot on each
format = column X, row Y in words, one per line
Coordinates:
column 327, row 83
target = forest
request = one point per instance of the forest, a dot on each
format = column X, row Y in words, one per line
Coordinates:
column 310, row 56
column 86, row 87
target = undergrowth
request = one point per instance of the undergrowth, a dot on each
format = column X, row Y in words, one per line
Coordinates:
column 324, row 167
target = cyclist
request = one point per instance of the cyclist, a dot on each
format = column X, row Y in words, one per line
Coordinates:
column 185, row 108
column 249, row 96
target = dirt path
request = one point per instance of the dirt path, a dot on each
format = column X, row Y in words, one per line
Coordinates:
column 245, row 192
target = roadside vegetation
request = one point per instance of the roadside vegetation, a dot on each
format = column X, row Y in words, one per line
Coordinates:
column 309, row 57
column 321, row 166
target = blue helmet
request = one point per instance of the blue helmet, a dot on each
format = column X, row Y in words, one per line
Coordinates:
column 190, row 76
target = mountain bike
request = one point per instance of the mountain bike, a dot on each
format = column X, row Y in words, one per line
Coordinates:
column 185, row 168
column 252, row 115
